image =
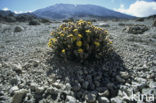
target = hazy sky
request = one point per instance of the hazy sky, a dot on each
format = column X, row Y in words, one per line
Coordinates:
column 132, row 7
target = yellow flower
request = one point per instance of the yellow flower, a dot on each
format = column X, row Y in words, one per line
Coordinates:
column 49, row 44
column 80, row 20
column 89, row 23
column 53, row 40
column 70, row 35
column 74, row 38
column 106, row 31
column 75, row 30
column 79, row 43
column 62, row 26
column 65, row 28
column 99, row 28
column 63, row 51
column 62, row 34
column 97, row 43
column 88, row 31
column 110, row 42
column 79, row 35
column 80, row 50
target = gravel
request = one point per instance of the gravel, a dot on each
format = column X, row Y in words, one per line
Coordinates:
column 31, row 73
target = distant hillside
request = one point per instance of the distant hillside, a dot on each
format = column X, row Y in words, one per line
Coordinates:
column 63, row 11
column 9, row 16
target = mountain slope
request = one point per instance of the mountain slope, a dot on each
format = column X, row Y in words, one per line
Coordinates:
column 61, row 11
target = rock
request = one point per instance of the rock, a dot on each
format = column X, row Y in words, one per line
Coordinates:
column 140, row 19
column 97, row 83
column 14, row 81
column 154, row 62
column 121, row 24
column 70, row 99
column 10, row 19
column 3, row 98
column 34, row 22
column 57, row 85
column 39, row 90
column 103, row 100
column 149, row 91
column 124, row 75
column 106, row 93
column 136, row 29
column 152, row 84
column 13, row 89
column 17, row 68
column 120, row 79
column 110, row 86
column 18, row 29
column 1, row 65
column 85, row 85
column 33, row 86
column 19, row 95
column 90, row 98
column 76, row 86
column 1, row 93
column 104, row 25
column 116, row 100
column 68, row 86
column 53, row 92
column 43, row 20
column 154, row 24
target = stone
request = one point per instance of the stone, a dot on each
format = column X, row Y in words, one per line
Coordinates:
column 39, row 90
column 53, row 92
column 136, row 29
column 17, row 68
column 1, row 93
column 1, row 65
column 19, row 95
column 85, row 84
column 140, row 19
column 119, row 79
column 110, row 86
column 70, row 99
column 3, row 98
column 97, row 83
column 154, row 24
column 33, row 86
column 90, row 98
column 105, row 93
column 103, row 100
column 152, row 84
column 14, row 81
column 34, row 22
column 104, row 25
column 68, row 86
column 57, row 85
column 124, row 75
column 13, row 89
column 18, row 28
column 116, row 100
column 154, row 62
column 76, row 86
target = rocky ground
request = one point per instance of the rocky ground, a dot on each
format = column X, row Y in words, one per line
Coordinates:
column 31, row 73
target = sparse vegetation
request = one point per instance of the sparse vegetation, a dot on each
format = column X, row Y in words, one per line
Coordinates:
column 80, row 41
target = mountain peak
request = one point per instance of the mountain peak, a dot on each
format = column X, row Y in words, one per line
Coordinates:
column 63, row 11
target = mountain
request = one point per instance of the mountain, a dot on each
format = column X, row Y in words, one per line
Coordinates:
column 63, row 11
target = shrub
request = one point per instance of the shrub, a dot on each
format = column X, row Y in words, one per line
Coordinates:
column 34, row 22
column 80, row 41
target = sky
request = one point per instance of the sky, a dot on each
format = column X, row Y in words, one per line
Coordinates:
column 139, row 8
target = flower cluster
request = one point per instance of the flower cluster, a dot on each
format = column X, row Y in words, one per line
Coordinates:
column 80, row 41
